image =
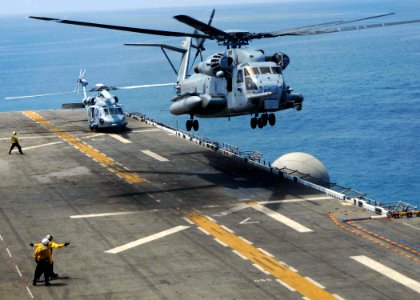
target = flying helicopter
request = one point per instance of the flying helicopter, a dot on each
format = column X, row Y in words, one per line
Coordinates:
column 238, row 80
column 102, row 108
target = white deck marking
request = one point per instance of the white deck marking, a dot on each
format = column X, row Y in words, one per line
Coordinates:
column 120, row 138
column 188, row 221
column 105, row 214
column 17, row 269
column 220, row 242
column 338, row 297
column 388, row 272
column 294, row 200
column 154, row 155
column 226, row 228
column 232, row 210
column 246, row 221
column 43, row 145
column 315, row 282
column 29, row 292
column 412, row 226
column 240, row 255
column 261, row 269
column 281, row 218
column 286, row 285
column 265, row 252
column 1, row 238
column 203, row 231
column 145, row 130
column 147, row 239
column 8, row 252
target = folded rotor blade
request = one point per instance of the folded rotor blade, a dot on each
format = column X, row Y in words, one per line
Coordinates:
column 40, row 95
column 203, row 27
column 121, row 28
column 141, row 86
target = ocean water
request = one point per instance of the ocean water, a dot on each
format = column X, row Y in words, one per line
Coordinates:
column 361, row 114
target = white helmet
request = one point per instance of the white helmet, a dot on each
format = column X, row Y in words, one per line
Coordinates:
column 45, row 242
column 49, row 237
column 14, row 132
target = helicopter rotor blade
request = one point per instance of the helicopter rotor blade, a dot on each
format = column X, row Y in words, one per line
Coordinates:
column 130, row 87
column 121, row 28
column 212, row 32
column 325, row 28
column 40, row 95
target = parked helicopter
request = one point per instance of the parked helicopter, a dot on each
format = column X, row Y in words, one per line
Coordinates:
column 236, row 81
column 103, row 110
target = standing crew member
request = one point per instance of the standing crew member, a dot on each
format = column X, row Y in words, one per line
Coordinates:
column 43, row 259
column 15, row 143
column 51, row 245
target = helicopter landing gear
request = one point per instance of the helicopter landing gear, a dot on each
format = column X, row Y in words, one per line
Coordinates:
column 272, row 119
column 192, row 124
column 263, row 120
column 254, row 122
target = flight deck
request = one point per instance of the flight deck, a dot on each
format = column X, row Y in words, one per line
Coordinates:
column 150, row 214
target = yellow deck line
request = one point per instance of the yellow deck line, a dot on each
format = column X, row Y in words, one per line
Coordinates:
column 86, row 149
column 266, row 262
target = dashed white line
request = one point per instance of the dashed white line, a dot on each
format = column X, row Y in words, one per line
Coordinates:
column 281, row 218
column 240, row 255
column 286, row 285
column 154, row 155
column 211, row 219
column 8, row 252
column 203, row 231
column 265, row 252
column 146, row 239
column 17, row 269
column 261, row 269
column 220, row 242
column 338, row 297
column 226, row 228
column 315, row 282
column 1, row 238
column 29, row 292
column 388, row 272
column 245, row 240
column 188, row 221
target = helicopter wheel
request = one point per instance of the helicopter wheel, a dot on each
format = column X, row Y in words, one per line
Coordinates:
column 195, row 125
column 264, row 118
column 272, row 119
column 261, row 122
column 254, row 122
column 189, row 125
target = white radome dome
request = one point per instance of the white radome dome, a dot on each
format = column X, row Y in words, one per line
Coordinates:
column 304, row 163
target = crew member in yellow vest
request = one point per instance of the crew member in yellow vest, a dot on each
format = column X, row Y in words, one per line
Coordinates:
column 51, row 245
column 15, row 142
column 43, row 259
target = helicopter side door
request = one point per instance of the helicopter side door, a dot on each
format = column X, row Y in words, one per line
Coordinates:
column 239, row 91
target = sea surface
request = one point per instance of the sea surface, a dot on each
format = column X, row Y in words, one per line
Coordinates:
column 361, row 114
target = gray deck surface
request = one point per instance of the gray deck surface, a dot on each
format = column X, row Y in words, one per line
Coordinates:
column 41, row 190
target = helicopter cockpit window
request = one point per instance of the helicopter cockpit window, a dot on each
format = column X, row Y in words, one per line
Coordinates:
column 265, row 70
column 276, row 70
column 240, row 77
column 250, row 84
column 119, row 111
column 106, row 112
column 251, row 71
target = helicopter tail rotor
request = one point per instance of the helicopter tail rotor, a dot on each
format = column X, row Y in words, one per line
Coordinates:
column 81, row 81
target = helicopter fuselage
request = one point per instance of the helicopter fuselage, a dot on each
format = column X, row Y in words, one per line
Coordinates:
column 237, row 82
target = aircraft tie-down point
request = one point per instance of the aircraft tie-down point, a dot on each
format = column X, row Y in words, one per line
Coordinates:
column 102, row 109
column 238, row 80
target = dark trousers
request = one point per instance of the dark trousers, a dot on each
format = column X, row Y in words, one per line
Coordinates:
column 16, row 145
column 42, row 267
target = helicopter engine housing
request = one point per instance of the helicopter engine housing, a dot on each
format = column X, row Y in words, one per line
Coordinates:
column 280, row 59
column 211, row 66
